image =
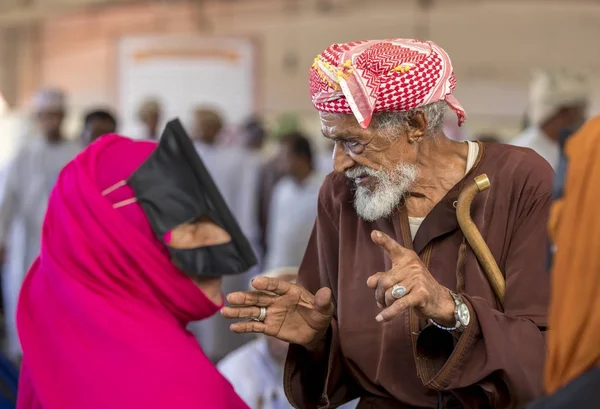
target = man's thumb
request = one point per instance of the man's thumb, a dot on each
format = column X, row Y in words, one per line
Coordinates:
column 323, row 301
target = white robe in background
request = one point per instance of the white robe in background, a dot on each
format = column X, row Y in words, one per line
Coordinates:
column 28, row 180
column 291, row 219
column 236, row 173
column 324, row 162
column 534, row 138
column 257, row 377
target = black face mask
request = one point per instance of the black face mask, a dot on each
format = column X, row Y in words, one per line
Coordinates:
column 173, row 187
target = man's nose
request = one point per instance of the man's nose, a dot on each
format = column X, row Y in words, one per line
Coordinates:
column 341, row 160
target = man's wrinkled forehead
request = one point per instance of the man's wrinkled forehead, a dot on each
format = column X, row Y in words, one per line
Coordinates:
column 339, row 126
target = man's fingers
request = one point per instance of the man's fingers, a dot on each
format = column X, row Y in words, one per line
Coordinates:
column 242, row 312
column 323, row 300
column 408, row 287
column 396, row 308
column 258, row 298
column 248, row 326
column 380, row 294
column 384, row 282
column 273, row 285
column 373, row 281
column 391, row 246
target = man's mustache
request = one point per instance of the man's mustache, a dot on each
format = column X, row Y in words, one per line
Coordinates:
column 360, row 171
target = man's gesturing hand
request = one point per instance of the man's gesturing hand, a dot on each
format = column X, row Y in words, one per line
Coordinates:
column 423, row 292
column 293, row 314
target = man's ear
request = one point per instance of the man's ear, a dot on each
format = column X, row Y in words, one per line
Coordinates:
column 417, row 126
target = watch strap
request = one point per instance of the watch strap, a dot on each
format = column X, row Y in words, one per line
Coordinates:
column 458, row 300
column 445, row 328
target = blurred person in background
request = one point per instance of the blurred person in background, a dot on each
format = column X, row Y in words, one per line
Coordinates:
column 207, row 127
column 558, row 101
column 236, row 175
column 97, row 123
column 150, row 116
column 572, row 378
column 270, row 174
column 294, row 204
column 256, row 369
column 391, row 303
column 29, row 178
column 254, row 136
column 123, row 267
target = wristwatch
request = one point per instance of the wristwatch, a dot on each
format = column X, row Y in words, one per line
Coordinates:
column 461, row 314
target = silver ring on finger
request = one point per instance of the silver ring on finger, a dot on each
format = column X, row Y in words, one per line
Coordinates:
column 262, row 315
column 398, row 291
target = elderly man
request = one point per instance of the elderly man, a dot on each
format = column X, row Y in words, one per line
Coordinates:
column 557, row 105
column 29, row 178
column 391, row 304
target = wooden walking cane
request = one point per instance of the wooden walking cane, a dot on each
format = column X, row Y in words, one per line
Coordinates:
column 463, row 213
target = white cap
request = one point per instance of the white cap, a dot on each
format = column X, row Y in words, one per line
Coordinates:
column 49, row 99
column 552, row 90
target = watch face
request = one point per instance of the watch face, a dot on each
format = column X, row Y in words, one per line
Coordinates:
column 464, row 316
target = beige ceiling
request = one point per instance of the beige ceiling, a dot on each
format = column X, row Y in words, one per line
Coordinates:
column 15, row 12
column 18, row 12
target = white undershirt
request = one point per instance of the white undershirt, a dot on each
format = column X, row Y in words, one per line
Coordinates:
column 472, row 153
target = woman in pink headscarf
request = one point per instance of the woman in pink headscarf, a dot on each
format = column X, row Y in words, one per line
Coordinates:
column 103, row 310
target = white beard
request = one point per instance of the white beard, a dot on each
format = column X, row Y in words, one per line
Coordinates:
column 387, row 194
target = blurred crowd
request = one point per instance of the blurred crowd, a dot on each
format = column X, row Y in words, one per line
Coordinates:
column 269, row 178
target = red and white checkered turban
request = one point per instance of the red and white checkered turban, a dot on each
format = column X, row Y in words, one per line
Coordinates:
column 365, row 77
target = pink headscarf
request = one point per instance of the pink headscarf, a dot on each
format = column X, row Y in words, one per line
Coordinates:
column 364, row 77
column 102, row 312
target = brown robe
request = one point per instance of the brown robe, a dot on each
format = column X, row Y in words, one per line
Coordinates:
column 407, row 363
